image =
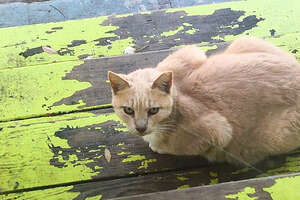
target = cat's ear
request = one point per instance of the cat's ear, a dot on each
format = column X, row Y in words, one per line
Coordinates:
column 163, row 82
column 117, row 83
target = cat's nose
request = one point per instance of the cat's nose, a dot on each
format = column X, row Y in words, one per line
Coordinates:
column 141, row 129
column 141, row 125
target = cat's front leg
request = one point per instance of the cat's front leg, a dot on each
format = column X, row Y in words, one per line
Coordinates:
column 155, row 143
column 156, row 148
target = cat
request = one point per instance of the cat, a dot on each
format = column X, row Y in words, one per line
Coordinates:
column 238, row 106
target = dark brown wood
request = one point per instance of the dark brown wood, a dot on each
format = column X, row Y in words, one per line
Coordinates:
column 130, row 155
column 261, row 188
column 158, row 186
column 95, row 72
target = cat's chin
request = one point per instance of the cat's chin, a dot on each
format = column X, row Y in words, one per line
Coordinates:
column 139, row 134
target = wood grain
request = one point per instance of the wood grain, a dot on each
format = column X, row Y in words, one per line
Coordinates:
column 274, row 187
column 111, row 35
column 78, row 85
column 70, row 148
column 189, row 184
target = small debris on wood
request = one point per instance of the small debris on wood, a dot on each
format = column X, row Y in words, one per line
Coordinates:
column 129, row 50
column 141, row 49
column 107, row 155
column 16, row 185
column 49, row 50
column 90, row 57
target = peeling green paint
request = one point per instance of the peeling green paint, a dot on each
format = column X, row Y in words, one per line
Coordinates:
column 292, row 164
column 191, row 31
column 194, row 172
column 172, row 32
column 121, row 144
column 187, row 24
column 123, row 153
column 285, row 188
column 59, row 193
column 27, row 153
column 124, row 15
column 15, row 40
column 244, row 195
column 183, row 187
column 145, row 163
column 280, row 13
column 124, row 129
column 215, row 179
column 30, row 91
column 240, row 171
column 213, row 174
column 182, row 178
column 98, row 197
column 288, row 42
column 133, row 158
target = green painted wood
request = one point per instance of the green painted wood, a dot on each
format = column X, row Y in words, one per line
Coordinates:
column 110, row 35
column 64, row 87
column 270, row 188
column 172, row 184
column 67, row 148
column 70, row 148
column 79, row 85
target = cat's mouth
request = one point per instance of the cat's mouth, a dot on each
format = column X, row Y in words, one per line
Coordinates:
column 134, row 132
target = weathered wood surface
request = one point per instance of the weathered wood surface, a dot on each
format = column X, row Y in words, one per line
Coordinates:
column 64, row 87
column 78, row 85
column 269, row 188
column 69, row 148
column 70, row 84
column 45, row 11
column 107, row 36
column 165, row 181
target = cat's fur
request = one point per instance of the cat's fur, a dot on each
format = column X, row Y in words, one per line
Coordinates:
column 237, row 106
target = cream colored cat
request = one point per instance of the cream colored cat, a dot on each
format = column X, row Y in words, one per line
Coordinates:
column 238, row 106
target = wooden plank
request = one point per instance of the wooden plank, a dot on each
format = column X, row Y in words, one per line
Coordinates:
column 110, row 35
column 69, row 148
column 62, row 149
column 63, row 87
column 165, row 181
column 276, row 188
column 78, row 85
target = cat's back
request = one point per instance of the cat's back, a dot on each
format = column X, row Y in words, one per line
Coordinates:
column 245, row 79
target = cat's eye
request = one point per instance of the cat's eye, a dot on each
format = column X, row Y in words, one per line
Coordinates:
column 153, row 111
column 128, row 111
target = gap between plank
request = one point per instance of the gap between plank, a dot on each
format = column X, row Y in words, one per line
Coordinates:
column 111, row 178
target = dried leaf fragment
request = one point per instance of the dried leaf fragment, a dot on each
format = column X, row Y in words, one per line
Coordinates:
column 49, row 50
column 107, row 155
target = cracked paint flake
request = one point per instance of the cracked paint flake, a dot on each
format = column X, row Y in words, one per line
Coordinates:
column 183, row 187
column 172, row 32
column 133, row 158
column 285, row 188
column 244, row 195
column 145, row 163
column 33, row 142
column 74, row 38
column 29, row 92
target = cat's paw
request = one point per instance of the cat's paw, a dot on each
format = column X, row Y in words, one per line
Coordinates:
column 156, row 149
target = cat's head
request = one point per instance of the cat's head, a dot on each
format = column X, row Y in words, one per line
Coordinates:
column 142, row 99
